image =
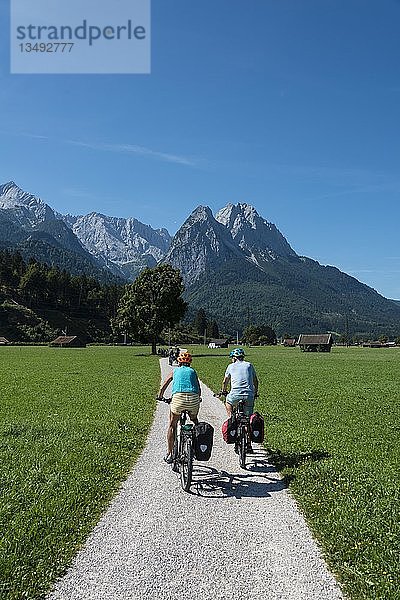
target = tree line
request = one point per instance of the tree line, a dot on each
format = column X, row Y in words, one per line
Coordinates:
column 39, row 285
column 149, row 310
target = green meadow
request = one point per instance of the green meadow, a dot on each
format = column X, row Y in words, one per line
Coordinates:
column 72, row 423
column 332, row 428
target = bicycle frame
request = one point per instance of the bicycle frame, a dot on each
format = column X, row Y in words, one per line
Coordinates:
column 243, row 428
column 183, row 451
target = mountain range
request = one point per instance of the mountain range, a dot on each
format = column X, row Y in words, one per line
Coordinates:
column 236, row 265
column 94, row 243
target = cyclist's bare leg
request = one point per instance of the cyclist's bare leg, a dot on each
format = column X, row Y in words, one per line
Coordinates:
column 173, row 421
column 228, row 407
column 194, row 418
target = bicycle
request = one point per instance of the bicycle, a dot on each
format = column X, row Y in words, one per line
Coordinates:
column 242, row 430
column 183, row 450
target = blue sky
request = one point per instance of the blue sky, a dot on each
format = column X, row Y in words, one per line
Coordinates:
column 291, row 105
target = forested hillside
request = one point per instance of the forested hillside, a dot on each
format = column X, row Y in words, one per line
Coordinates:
column 38, row 302
column 296, row 295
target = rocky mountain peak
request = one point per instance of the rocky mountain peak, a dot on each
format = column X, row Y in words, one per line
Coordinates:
column 8, row 187
column 126, row 245
column 201, row 244
column 28, row 210
column 200, row 213
column 233, row 216
column 257, row 237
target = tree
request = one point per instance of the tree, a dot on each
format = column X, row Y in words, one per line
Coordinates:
column 33, row 282
column 152, row 301
column 213, row 329
column 200, row 322
column 260, row 334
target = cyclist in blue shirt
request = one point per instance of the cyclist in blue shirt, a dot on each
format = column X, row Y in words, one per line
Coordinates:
column 241, row 376
column 185, row 396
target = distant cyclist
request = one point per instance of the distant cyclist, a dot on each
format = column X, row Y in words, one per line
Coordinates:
column 241, row 377
column 185, row 396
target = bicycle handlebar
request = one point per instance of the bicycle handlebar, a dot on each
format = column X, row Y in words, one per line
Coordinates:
column 221, row 393
column 162, row 399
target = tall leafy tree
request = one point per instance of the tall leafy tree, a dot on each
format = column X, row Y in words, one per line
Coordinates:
column 152, row 301
column 259, row 334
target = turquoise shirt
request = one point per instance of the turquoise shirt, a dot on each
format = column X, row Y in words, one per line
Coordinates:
column 184, row 379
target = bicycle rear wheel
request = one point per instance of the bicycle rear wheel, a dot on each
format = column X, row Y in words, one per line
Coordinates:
column 186, row 466
column 242, row 448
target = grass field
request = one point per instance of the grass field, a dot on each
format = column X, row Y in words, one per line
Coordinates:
column 72, row 422
column 333, row 425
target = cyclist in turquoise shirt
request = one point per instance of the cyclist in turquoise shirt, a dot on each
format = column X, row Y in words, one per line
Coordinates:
column 185, row 396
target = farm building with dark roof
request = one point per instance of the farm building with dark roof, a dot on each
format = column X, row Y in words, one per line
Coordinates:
column 315, row 343
column 67, row 341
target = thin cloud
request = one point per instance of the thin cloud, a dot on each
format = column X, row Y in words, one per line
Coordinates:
column 119, row 148
column 138, row 150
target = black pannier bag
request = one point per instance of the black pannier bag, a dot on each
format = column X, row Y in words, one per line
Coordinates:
column 229, row 430
column 257, row 428
column 203, row 440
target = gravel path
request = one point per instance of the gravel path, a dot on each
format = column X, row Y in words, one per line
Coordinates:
column 237, row 535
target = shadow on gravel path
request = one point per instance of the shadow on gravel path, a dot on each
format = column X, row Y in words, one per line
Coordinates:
column 252, row 483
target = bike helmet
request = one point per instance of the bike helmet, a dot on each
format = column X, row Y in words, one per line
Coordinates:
column 237, row 353
column 184, row 358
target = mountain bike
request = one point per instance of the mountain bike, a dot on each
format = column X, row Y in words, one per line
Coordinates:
column 183, row 450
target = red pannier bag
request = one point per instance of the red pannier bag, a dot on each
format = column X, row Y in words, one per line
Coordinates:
column 257, row 428
column 229, row 430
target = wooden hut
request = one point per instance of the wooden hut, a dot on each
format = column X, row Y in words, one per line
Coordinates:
column 67, row 341
column 315, row 343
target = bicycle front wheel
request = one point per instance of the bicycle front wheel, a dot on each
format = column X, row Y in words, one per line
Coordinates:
column 175, row 455
column 242, row 448
column 186, row 464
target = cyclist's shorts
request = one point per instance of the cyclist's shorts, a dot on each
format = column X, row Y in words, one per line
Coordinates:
column 233, row 399
column 185, row 401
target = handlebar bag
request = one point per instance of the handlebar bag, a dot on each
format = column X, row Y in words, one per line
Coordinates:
column 229, row 430
column 257, row 428
column 203, row 440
